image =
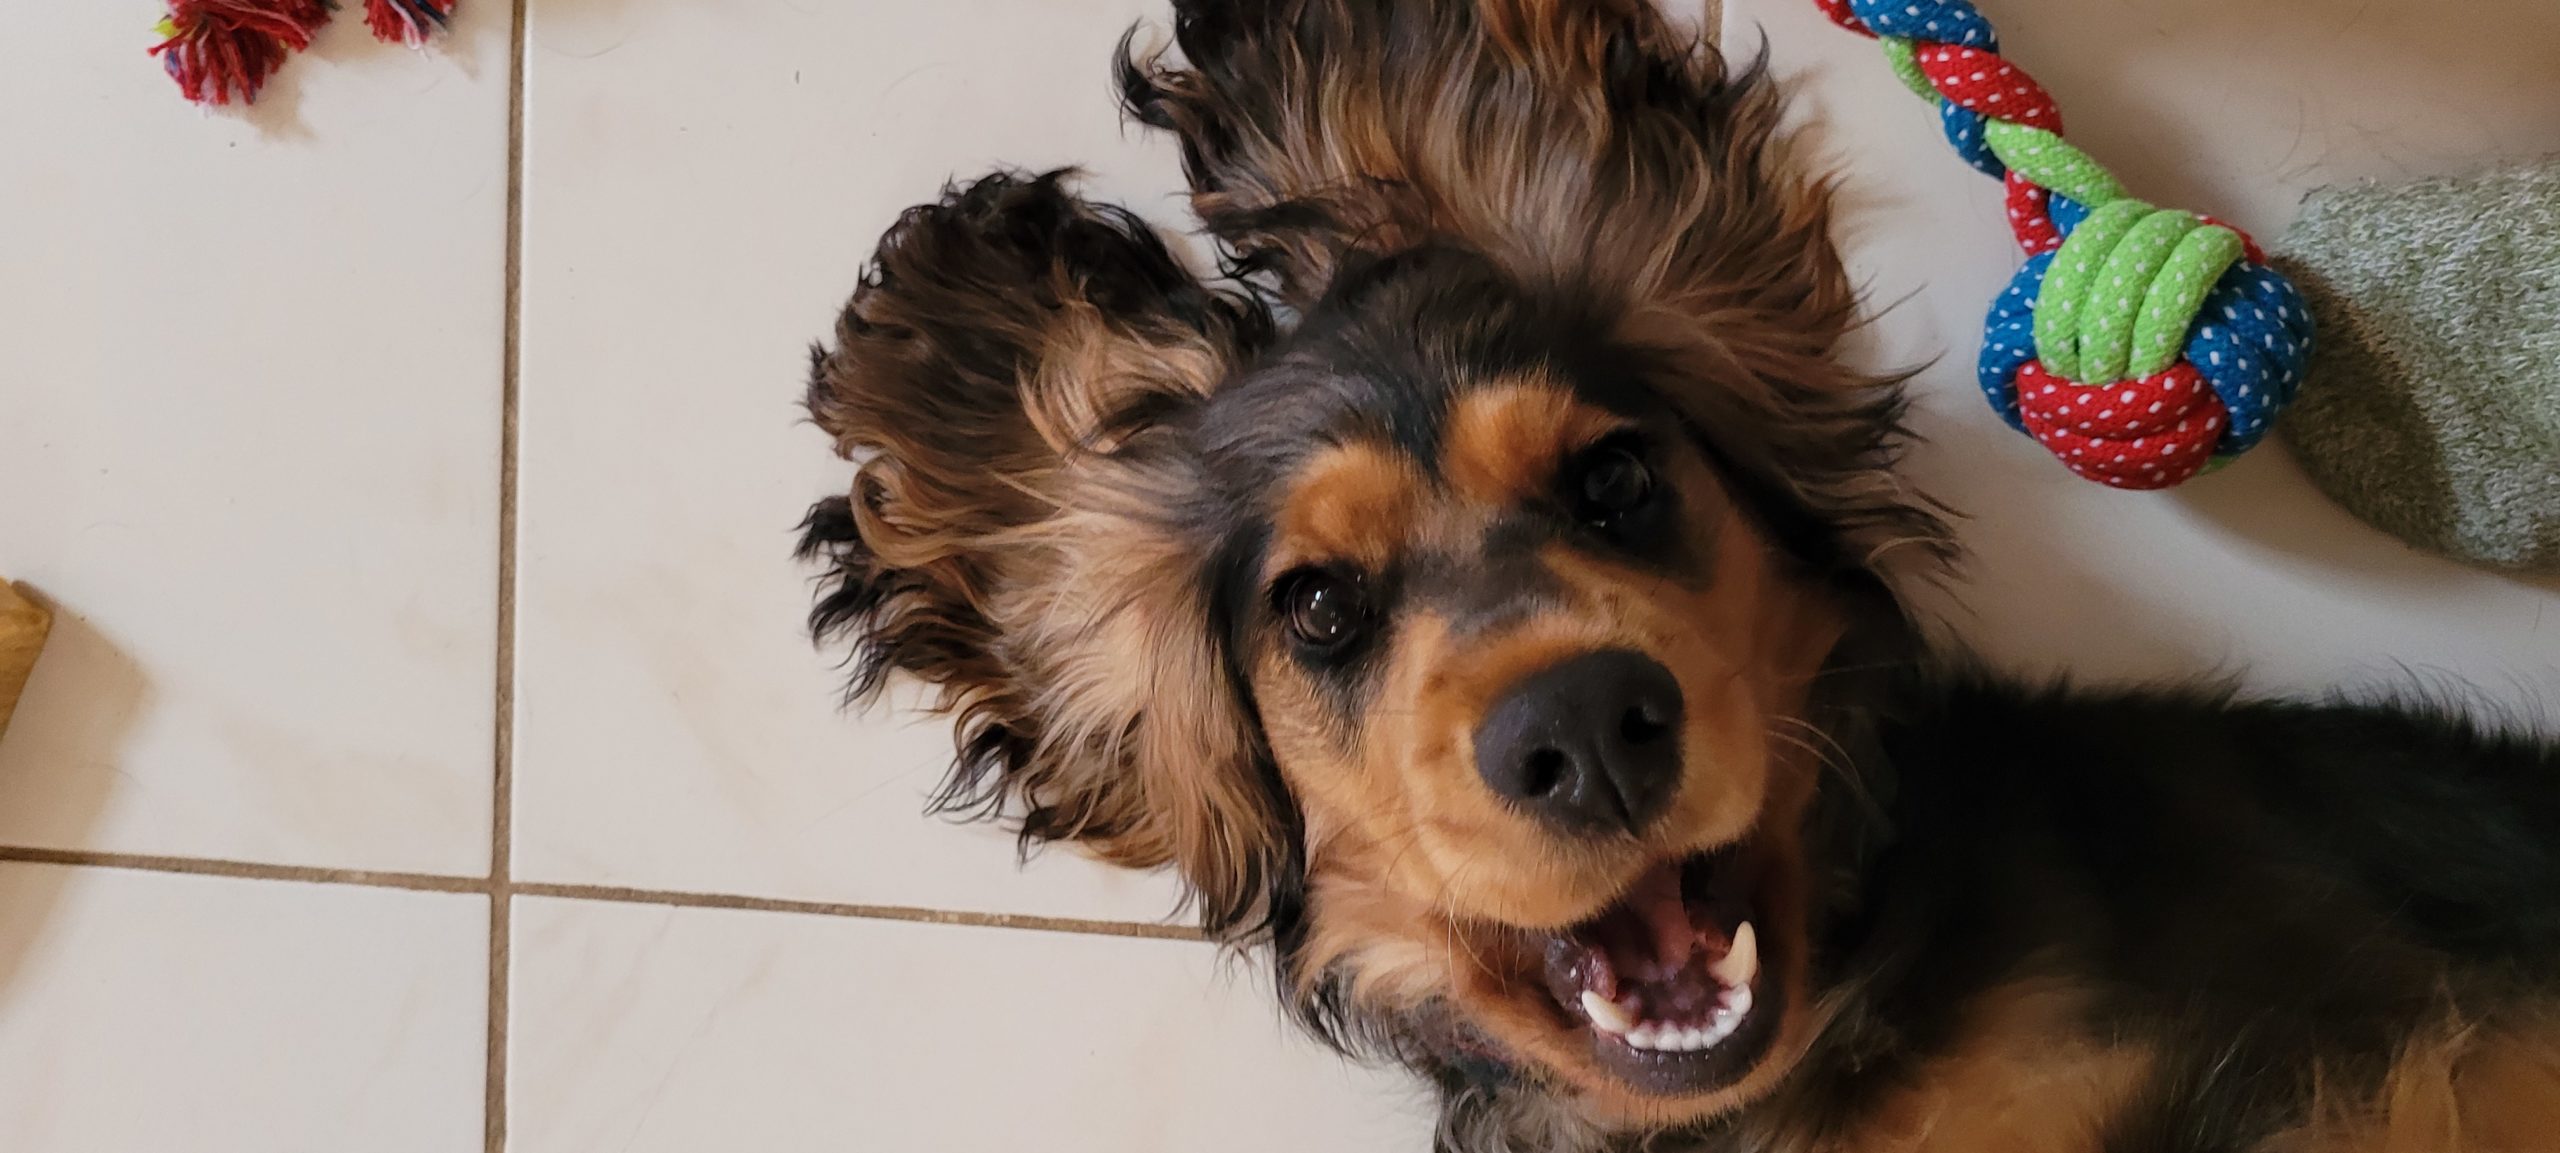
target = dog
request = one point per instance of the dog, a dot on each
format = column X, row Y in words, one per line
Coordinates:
column 1489, row 593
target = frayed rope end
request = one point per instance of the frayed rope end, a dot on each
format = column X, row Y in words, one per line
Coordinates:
column 408, row 22
column 220, row 49
column 216, row 49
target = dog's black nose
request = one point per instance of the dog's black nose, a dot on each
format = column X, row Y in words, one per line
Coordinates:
column 1590, row 745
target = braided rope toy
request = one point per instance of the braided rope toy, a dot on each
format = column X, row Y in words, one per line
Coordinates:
column 2139, row 345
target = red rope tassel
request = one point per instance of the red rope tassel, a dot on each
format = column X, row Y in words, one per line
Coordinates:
column 407, row 22
column 215, row 48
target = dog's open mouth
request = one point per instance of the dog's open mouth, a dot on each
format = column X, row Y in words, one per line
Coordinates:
column 1670, row 978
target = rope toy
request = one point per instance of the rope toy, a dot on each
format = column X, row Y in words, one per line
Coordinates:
column 216, row 49
column 2139, row 345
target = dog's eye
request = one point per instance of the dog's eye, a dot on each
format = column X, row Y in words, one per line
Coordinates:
column 1614, row 482
column 1326, row 611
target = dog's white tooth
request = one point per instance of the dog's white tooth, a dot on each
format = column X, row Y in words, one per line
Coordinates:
column 1605, row 1014
column 1692, row 1040
column 1740, row 963
column 1735, row 1001
column 1640, row 1037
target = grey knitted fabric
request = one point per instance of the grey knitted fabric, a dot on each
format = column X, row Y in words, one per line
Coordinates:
column 2432, row 406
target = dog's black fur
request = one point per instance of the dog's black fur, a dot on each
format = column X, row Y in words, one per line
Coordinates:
column 2279, row 895
column 2283, row 906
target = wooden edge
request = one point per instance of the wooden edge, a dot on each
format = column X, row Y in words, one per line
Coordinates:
column 24, row 621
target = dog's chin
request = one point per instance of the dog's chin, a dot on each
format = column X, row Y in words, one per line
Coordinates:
column 1673, row 986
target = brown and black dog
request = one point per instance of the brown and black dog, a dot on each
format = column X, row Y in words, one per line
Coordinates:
column 1484, row 594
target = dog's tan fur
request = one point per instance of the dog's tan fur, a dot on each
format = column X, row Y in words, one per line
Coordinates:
column 1044, row 590
column 1037, row 569
column 2478, row 1087
column 1412, row 863
column 1047, row 522
column 2023, row 1078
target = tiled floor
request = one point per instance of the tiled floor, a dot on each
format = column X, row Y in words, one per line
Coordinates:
column 318, row 595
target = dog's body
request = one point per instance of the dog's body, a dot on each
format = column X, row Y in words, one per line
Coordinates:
column 2173, row 922
column 1487, row 603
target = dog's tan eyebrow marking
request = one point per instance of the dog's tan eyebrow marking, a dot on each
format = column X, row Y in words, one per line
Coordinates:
column 1504, row 443
column 1354, row 502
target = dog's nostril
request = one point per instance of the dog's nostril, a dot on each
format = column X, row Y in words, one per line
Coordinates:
column 1545, row 772
column 1640, row 728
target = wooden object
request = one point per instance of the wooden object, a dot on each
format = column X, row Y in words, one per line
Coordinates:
column 23, row 624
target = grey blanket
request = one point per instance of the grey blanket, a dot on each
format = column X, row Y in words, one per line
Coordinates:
column 2432, row 406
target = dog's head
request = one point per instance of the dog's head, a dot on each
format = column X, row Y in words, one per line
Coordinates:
column 1464, row 636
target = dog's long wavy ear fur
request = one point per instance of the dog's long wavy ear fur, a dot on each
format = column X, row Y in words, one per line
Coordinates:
column 1588, row 149
column 1003, row 375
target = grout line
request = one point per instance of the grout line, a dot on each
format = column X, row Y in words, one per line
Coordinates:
column 684, row 900
column 245, row 870
column 605, row 894
column 493, row 1118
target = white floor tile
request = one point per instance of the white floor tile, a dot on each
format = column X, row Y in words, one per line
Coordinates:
column 148, row 1013
column 650, row 1030
column 704, row 184
column 2235, row 110
column 249, row 444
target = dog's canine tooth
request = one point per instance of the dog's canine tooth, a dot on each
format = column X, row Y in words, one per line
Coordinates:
column 1740, row 963
column 1606, row 1015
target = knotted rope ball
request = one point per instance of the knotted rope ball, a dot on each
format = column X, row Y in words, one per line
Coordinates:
column 2140, row 345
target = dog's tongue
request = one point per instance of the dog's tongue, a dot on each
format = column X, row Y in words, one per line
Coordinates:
column 1648, row 933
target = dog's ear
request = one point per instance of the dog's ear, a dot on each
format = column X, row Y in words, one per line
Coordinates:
column 1574, row 142
column 1010, row 374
